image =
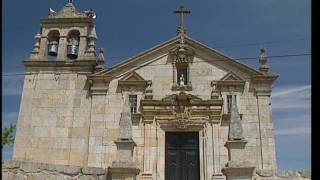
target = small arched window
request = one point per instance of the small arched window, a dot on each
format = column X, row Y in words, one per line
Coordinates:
column 53, row 43
column 73, row 44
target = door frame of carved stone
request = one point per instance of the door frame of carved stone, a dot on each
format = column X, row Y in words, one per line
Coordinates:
column 161, row 129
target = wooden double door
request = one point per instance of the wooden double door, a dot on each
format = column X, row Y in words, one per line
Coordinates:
column 182, row 156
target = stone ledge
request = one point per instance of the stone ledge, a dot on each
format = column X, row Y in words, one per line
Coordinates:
column 15, row 168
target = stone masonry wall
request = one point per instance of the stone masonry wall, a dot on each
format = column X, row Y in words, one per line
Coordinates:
column 54, row 119
column 18, row 170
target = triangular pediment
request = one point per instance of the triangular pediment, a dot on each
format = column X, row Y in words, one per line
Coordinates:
column 147, row 57
column 231, row 77
column 132, row 77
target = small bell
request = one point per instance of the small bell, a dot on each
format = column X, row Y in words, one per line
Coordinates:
column 53, row 48
column 72, row 49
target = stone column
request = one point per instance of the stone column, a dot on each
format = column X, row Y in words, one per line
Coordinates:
column 189, row 75
column 62, row 49
column 82, row 46
column 174, row 75
column 43, row 50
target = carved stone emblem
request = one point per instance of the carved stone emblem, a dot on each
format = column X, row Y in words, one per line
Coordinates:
column 182, row 120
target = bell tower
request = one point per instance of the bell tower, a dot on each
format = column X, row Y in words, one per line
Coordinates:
column 55, row 97
column 66, row 37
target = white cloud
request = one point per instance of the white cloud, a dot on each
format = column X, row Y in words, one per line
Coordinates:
column 293, row 131
column 291, row 90
column 291, row 98
column 293, row 124
column 292, row 110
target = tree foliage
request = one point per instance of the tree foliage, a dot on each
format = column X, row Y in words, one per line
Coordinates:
column 8, row 136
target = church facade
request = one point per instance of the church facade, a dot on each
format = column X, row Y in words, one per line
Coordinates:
column 180, row 110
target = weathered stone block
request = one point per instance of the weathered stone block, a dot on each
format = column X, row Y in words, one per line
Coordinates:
column 93, row 170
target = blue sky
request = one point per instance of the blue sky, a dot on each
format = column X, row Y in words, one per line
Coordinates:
column 236, row 28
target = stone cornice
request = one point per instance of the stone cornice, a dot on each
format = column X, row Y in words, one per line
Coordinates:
column 231, row 83
column 133, row 83
column 77, row 65
column 57, row 21
column 165, row 47
column 150, row 102
column 99, row 85
column 263, row 84
column 265, row 79
column 39, row 63
column 236, row 144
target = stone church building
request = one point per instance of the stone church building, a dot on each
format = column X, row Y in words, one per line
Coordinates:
column 180, row 110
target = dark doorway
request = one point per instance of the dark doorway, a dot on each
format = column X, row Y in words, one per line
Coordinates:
column 182, row 156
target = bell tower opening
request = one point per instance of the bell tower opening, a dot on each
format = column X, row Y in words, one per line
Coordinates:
column 73, row 44
column 53, row 43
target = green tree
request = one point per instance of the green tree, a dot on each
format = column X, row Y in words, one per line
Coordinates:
column 8, row 136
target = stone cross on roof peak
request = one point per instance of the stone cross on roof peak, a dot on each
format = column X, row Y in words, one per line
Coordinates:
column 182, row 12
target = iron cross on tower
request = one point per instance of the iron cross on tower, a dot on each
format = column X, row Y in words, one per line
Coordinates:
column 182, row 11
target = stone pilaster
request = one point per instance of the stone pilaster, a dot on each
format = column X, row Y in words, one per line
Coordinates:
column 43, row 50
column 62, row 49
column 83, row 46
column 266, row 132
column 147, row 164
column 216, row 151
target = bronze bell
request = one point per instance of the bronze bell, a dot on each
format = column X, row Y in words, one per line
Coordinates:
column 53, row 48
column 72, row 49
